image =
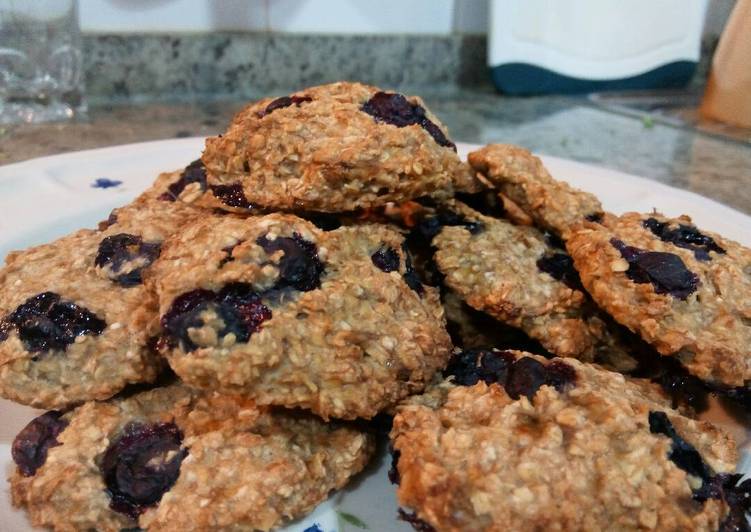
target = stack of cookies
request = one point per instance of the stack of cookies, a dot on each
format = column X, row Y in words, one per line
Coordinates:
column 211, row 355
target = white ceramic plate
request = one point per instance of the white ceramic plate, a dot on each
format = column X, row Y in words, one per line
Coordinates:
column 45, row 198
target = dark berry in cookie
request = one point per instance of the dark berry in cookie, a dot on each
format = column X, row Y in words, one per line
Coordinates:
column 522, row 376
column 561, row 267
column 195, row 172
column 396, row 110
column 284, row 101
column 299, row 268
column 432, row 225
column 666, row 271
column 126, row 256
column 141, row 465
column 525, row 377
column 559, row 375
column 386, row 259
column 474, row 365
column 684, row 236
column 45, row 322
column 237, row 304
column 30, row 447
column 232, row 195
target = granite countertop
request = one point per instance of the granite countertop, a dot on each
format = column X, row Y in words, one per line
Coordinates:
column 573, row 128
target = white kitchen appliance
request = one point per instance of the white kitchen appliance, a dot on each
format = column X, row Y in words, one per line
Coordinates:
column 563, row 46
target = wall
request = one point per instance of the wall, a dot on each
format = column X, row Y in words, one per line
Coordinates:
column 293, row 16
column 307, row 16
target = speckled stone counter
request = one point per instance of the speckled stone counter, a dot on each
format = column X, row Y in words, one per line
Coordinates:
column 561, row 126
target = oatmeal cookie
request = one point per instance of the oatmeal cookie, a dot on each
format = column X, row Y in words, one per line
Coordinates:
column 76, row 320
column 513, row 441
column 332, row 148
column 178, row 459
column 521, row 278
column 685, row 291
column 520, row 176
column 336, row 322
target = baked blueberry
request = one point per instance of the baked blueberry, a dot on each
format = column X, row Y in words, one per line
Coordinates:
column 396, row 110
column 299, row 268
column 281, row 103
column 46, row 322
column 386, row 258
column 195, row 172
column 231, row 195
column 666, row 271
column 237, row 305
column 141, row 465
column 125, row 257
column 684, row 236
column 30, row 446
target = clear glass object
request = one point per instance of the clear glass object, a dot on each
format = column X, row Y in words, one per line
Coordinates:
column 41, row 66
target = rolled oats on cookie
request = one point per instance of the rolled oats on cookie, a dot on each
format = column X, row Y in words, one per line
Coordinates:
column 553, row 205
column 336, row 322
column 76, row 322
column 684, row 290
column 179, row 459
column 513, row 441
column 524, row 279
column 332, row 148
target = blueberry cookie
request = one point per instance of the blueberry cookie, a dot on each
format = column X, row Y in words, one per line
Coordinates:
column 520, row 278
column 76, row 320
column 513, row 441
column 520, row 176
column 331, row 148
column 336, row 322
column 684, row 290
column 177, row 459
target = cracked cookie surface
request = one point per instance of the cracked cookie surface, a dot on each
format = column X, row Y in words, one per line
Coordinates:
column 513, row 441
column 336, row 322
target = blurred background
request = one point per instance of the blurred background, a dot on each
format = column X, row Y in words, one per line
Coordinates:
column 605, row 81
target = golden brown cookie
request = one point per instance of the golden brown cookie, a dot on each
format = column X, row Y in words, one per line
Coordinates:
column 685, row 291
column 519, row 175
column 336, row 322
column 332, row 148
column 179, row 459
column 523, row 279
column 75, row 319
column 513, row 441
